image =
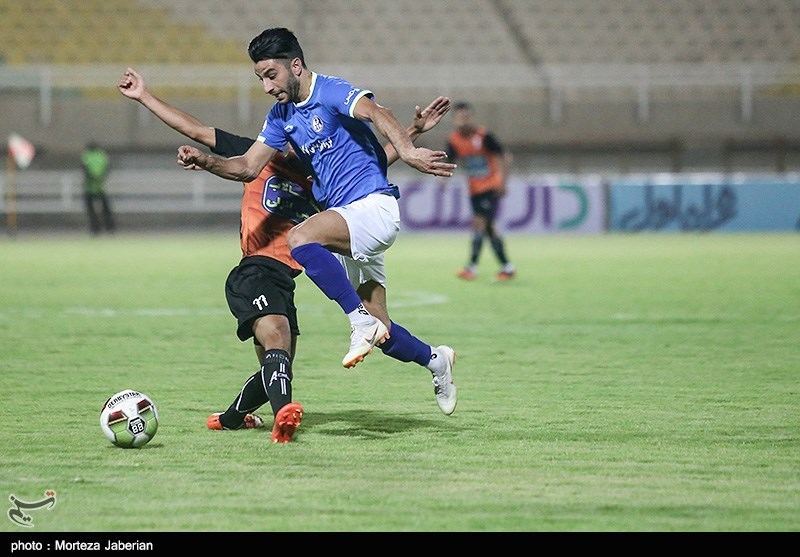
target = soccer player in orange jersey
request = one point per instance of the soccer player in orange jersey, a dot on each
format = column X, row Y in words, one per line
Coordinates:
column 260, row 289
column 487, row 165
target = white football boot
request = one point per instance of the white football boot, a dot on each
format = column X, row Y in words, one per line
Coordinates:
column 441, row 365
column 363, row 338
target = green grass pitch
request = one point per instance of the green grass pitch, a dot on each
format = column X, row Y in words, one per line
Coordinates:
column 620, row 383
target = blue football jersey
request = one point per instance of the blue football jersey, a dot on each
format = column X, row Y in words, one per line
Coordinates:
column 347, row 160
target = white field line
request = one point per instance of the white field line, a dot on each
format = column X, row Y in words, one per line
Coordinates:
column 398, row 300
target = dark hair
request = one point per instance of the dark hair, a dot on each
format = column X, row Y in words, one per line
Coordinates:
column 275, row 43
column 463, row 105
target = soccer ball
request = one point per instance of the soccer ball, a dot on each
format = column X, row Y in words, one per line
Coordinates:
column 129, row 419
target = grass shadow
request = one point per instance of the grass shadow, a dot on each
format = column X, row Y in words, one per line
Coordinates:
column 366, row 423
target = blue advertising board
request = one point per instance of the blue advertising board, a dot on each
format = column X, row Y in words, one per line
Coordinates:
column 704, row 202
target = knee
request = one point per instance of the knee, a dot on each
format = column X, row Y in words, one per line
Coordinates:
column 295, row 238
column 273, row 332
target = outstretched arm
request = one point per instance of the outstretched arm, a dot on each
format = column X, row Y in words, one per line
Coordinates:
column 424, row 120
column 133, row 86
column 244, row 168
column 424, row 160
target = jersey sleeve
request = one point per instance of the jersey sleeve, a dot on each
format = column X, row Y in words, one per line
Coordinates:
column 230, row 145
column 342, row 96
column 272, row 133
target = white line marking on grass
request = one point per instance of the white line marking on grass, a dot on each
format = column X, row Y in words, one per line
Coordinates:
column 400, row 299
column 415, row 298
column 143, row 312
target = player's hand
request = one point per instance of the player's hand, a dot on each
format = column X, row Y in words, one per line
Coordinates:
column 190, row 158
column 131, row 84
column 426, row 119
column 430, row 162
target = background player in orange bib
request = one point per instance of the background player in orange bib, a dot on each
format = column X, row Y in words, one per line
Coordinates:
column 487, row 165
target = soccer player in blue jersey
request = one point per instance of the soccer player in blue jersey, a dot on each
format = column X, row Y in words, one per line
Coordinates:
column 327, row 122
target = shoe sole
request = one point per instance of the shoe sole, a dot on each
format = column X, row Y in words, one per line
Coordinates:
column 286, row 423
column 452, row 384
column 455, row 394
column 356, row 356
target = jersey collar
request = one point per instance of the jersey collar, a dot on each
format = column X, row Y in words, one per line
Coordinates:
column 310, row 91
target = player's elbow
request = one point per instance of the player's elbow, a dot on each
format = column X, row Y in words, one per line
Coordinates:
column 384, row 113
column 244, row 169
column 247, row 174
column 385, row 110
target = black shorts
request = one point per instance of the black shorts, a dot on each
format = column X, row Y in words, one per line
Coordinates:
column 485, row 204
column 260, row 286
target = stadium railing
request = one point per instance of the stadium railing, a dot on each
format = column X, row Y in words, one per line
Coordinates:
column 517, row 81
column 131, row 191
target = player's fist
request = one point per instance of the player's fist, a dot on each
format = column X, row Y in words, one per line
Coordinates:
column 190, row 158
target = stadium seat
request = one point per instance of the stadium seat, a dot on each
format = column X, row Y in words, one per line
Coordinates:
column 459, row 31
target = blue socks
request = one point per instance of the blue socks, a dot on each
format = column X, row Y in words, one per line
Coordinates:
column 328, row 274
column 402, row 345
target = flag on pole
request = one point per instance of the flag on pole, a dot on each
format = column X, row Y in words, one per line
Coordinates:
column 21, row 150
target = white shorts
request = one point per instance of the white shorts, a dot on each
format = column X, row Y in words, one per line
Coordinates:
column 373, row 223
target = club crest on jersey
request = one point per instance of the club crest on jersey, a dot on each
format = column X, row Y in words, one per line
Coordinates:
column 316, row 124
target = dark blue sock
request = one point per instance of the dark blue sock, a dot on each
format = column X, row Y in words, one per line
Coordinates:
column 328, row 274
column 402, row 345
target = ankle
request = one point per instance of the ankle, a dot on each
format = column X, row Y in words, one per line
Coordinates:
column 437, row 362
column 360, row 316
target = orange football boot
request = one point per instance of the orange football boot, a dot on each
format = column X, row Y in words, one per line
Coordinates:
column 286, row 422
